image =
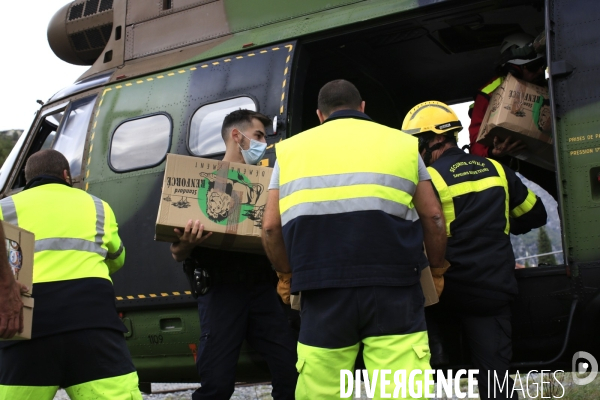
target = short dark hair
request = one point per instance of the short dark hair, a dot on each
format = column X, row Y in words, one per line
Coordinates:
column 240, row 119
column 338, row 95
column 426, row 137
column 46, row 162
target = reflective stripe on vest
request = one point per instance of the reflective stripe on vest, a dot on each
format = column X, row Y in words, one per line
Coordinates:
column 99, row 219
column 116, row 254
column 448, row 193
column 359, row 178
column 62, row 244
column 327, row 181
column 9, row 212
column 349, row 205
column 524, row 207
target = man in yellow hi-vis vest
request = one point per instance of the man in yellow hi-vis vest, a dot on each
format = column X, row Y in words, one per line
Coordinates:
column 483, row 201
column 77, row 338
column 349, row 205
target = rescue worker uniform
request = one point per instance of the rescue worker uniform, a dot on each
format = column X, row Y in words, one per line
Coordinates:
column 241, row 303
column 354, row 242
column 77, row 336
column 483, row 201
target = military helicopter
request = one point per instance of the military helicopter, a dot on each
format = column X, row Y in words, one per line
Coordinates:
column 162, row 75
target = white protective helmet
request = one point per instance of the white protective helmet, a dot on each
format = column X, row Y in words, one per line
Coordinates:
column 518, row 40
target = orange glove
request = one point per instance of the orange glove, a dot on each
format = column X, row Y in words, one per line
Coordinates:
column 438, row 277
column 284, row 285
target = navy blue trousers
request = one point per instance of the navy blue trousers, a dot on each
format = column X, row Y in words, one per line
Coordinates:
column 486, row 324
column 231, row 313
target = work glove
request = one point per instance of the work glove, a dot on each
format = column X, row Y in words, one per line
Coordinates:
column 438, row 277
column 283, row 286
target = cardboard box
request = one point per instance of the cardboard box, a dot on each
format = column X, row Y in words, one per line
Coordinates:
column 521, row 110
column 20, row 245
column 228, row 198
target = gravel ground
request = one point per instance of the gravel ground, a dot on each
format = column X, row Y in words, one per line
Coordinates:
column 250, row 392
column 254, row 392
column 263, row 392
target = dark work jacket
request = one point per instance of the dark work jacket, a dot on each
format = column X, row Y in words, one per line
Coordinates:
column 479, row 248
column 227, row 265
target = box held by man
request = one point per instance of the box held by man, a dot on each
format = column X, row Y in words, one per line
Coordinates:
column 521, row 110
column 228, row 198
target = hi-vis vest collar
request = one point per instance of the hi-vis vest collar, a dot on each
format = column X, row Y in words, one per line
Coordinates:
column 347, row 114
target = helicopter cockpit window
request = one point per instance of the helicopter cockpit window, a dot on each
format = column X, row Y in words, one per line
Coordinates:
column 53, row 121
column 205, row 128
column 140, row 143
column 44, row 136
column 71, row 136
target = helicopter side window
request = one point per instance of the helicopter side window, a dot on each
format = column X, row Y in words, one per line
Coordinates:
column 71, row 136
column 140, row 143
column 205, row 129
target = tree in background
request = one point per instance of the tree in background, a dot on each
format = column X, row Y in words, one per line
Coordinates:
column 544, row 245
column 7, row 142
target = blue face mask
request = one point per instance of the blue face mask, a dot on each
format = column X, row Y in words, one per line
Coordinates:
column 255, row 152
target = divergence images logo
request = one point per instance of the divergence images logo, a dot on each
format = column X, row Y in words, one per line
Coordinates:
column 583, row 363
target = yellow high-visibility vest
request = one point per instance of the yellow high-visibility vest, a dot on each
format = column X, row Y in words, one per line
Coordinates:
column 346, row 202
column 76, row 234
column 348, row 165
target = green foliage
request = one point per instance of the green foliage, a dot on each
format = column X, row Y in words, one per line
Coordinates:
column 527, row 265
column 7, row 142
column 544, row 245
